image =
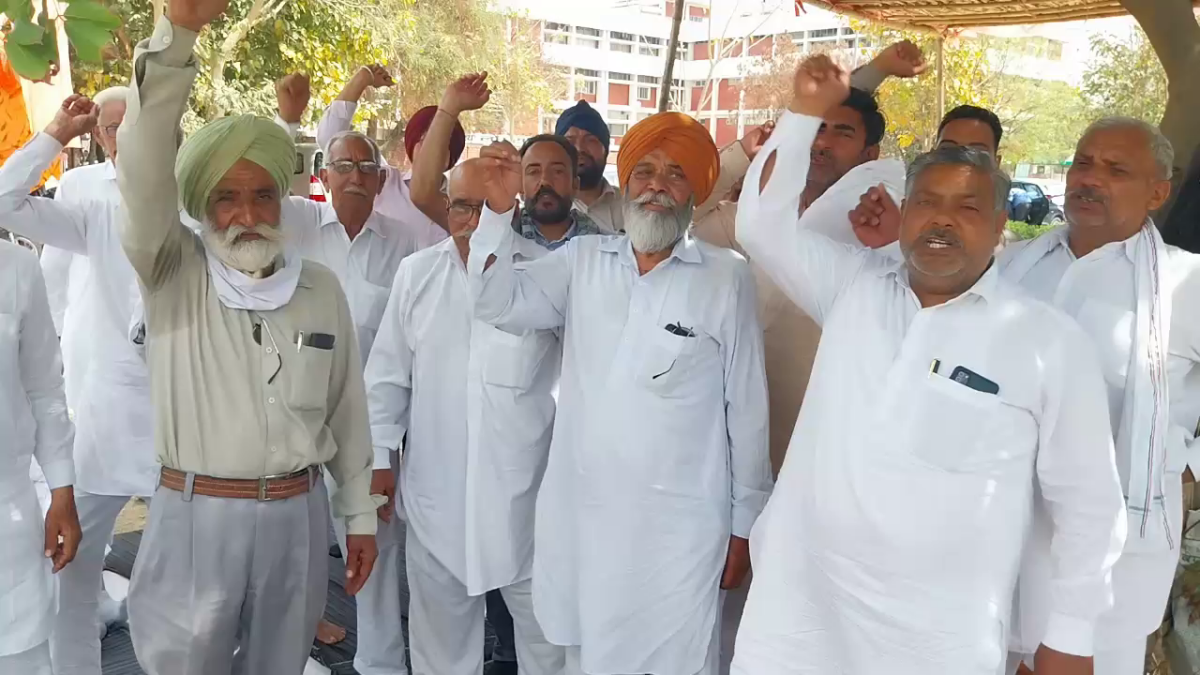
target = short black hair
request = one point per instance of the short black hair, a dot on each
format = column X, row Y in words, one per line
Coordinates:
column 562, row 142
column 974, row 112
column 866, row 105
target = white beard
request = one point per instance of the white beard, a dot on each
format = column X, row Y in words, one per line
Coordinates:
column 651, row 231
column 249, row 257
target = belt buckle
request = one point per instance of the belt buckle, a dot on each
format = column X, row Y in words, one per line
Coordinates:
column 262, row 486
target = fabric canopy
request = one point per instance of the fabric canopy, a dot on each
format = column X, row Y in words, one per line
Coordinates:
column 940, row 15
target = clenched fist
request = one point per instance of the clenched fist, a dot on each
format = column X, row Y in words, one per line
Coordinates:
column 819, row 86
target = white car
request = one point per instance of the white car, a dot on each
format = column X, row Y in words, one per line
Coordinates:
column 309, row 160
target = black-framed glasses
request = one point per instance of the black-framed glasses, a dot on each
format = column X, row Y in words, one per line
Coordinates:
column 465, row 210
column 344, row 166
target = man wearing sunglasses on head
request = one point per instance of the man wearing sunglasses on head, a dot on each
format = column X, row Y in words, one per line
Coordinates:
column 363, row 248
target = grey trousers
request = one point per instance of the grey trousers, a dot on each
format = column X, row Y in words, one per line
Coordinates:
column 217, row 576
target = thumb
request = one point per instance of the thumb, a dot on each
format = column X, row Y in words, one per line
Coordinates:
column 51, row 536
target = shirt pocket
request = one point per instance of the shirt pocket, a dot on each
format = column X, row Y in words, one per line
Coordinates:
column 666, row 362
column 309, row 384
column 950, row 423
column 513, row 360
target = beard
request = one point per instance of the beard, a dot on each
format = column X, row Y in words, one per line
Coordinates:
column 591, row 173
column 553, row 215
column 249, row 256
column 652, row 231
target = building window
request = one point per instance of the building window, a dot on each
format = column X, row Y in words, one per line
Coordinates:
column 619, row 115
column 556, row 33
column 628, row 37
column 587, row 37
column 647, row 79
column 620, row 77
column 584, row 72
column 649, row 46
column 561, row 27
column 822, row 33
column 696, row 19
column 621, row 42
column 644, row 93
column 619, row 129
column 586, row 87
column 678, row 99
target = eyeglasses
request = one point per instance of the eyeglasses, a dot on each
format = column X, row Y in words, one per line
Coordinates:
column 111, row 130
column 464, row 211
column 344, row 166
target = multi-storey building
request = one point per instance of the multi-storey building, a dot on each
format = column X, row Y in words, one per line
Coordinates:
column 611, row 53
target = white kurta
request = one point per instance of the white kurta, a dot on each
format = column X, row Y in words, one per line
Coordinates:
column 366, row 265
column 660, row 442
column 114, row 451
column 477, row 405
column 1098, row 291
column 33, row 422
column 892, row 541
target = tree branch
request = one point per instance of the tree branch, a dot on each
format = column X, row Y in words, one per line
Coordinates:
column 1173, row 32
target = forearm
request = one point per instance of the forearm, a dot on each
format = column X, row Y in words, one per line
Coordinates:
column 868, row 78
column 338, row 117
column 505, row 297
column 164, row 70
column 41, row 377
column 430, row 165
column 44, row 220
column 809, row 268
column 348, row 424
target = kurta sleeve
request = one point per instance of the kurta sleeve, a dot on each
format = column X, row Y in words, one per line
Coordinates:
column 47, row 221
column 512, row 297
column 154, row 237
column 809, row 268
column 41, row 378
column 746, row 404
column 868, row 78
column 348, row 423
column 1077, row 473
column 389, row 372
column 56, row 270
column 338, row 117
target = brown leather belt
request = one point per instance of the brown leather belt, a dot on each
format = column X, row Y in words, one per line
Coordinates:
column 265, row 489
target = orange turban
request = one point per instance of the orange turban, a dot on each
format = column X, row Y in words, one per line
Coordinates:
column 683, row 139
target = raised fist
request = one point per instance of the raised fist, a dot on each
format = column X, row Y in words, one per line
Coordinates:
column 903, row 59
column 876, row 219
column 469, row 92
column 819, row 86
column 498, row 169
column 75, row 117
column 375, row 76
column 194, row 15
column 292, row 94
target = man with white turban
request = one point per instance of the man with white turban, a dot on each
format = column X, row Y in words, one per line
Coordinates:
column 257, row 384
column 658, row 465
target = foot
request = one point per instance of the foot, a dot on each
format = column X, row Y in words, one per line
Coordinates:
column 330, row 634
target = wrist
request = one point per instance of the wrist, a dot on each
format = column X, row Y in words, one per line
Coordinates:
column 66, row 492
column 193, row 24
column 58, row 133
column 502, row 205
column 449, row 109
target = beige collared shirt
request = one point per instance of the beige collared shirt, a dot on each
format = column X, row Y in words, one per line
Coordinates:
column 237, row 394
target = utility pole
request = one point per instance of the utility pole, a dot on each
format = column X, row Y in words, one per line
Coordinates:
column 665, row 88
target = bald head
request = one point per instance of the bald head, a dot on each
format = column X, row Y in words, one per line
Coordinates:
column 465, row 194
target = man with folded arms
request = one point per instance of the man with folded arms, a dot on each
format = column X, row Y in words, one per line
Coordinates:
column 941, row 396
column 658, row 465
column 257, row 383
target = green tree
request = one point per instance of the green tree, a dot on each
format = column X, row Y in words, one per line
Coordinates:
column 30, row 34
column 1125, row 77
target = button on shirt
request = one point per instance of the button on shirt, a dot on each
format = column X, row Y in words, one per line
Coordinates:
column 106, row 379
column 659, row 443
column 236, row 393
column 33, row 422
column 477, row 405
column 901, row 510
column 396, row 199
column 365, row 266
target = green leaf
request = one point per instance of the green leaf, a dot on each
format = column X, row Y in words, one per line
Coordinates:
column 25, row 32
column 32, row 62
column 88, row 39
column 93, row 12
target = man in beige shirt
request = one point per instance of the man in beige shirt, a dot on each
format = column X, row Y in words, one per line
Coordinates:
column 256, row 380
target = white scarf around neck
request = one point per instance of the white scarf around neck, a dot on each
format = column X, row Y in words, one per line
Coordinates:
column 237, row 290
column 1146, row 400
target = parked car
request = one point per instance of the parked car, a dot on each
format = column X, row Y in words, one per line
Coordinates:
column 309, row 160
column 1027, row 203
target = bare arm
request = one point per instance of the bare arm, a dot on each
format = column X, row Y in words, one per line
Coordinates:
column 469, row 92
